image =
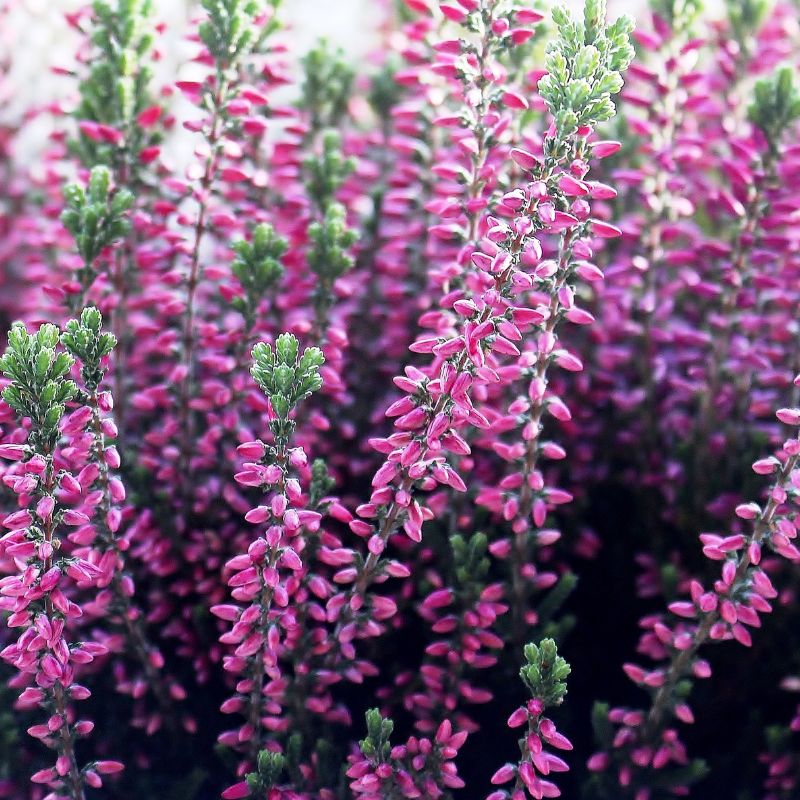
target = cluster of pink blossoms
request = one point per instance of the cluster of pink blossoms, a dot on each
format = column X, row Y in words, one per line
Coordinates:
column 418, row 366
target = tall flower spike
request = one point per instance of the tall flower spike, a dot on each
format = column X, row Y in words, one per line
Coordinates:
column 545, row 674
column 98, row 459
column 38, row 597
column 232, row 34
column 587, row 58
column 261, row 591
column 647, row 746
column 461, row 610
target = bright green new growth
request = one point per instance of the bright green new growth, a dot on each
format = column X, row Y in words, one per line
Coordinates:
column 327, row 86
column 377, row 747
column 470, row 562
column 585, row 63
column 269, row 768
column 746, row 17
column 320, row 486
column 39, row 388
column 117, row 88
column 96, row 217
column 325, row 173
column 286, row 379
column 85, row 341
column 230, row 30
column 678, row 14
column 329, row 258
column 258, row 268
column 775, row 106
column 545, row 673
column 330, row 238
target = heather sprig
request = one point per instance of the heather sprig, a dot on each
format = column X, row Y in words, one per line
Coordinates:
column 258, row 267
column 462, row 611
column 326, row 88
column 90, row 346
column 260, row 589
column 233, row 33
column 585, row 62
column 544, row 673
column 97, row 218
column 40, row 605
column 557, row 202
column 645, row 742
column 775, row 106
column 117, row 111
column 420, row 767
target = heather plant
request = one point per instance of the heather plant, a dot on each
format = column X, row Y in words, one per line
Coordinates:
column 429, row 372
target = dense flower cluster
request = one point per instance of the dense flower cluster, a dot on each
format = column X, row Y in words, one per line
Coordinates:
column 333, row 391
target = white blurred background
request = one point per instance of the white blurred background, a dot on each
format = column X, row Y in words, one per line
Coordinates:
column 39, row 37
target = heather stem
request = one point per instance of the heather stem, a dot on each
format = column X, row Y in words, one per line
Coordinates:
column 532, row 450
column 66, row 738
column 391, row 521
column 195, row 273
column 748, row 229
column 681, row 660
column 667, row 123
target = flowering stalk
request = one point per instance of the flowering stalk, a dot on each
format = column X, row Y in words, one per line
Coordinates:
column 545, row 674
column 774, row 109
column 120, row 126
column 230, row 34
column 36, row 598
column 577, row 90
column 437, row 406
column 487, row 31
column 664, row 97
column 419, row 768
column 461, row 612
column 104, row 492
column 722, row 613
column 286, row 379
